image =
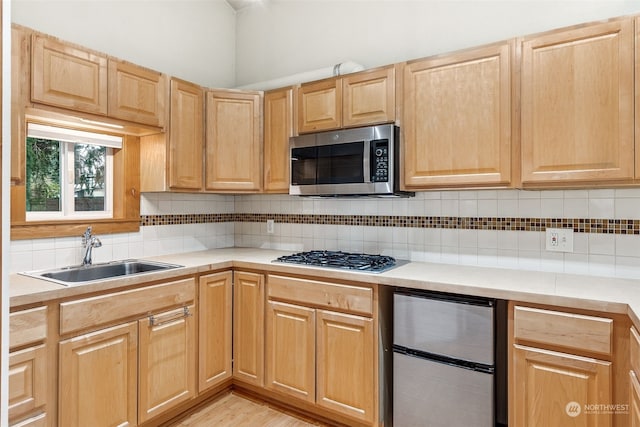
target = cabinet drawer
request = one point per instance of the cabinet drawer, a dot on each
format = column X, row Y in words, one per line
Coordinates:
column 354, row 299
column 27, row 381
column 38, row 421
column 28, row 326
column 634, row 345
column 104, row 309
column 568, row 330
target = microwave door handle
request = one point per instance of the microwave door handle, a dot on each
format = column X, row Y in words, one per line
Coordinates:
column 366, row 161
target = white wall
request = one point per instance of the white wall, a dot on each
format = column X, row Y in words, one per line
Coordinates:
column 284, row 37
column 4, row 223
column 190, row 39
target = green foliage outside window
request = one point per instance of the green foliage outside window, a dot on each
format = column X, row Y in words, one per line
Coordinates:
column 89, row 183
column 43, row 175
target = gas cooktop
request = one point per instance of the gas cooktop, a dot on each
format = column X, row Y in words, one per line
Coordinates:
column 343, row 260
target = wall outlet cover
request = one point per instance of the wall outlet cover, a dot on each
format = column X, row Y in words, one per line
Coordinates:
column 270, row 226
column 559, row 239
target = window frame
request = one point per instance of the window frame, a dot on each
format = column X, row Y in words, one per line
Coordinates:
column 126, row 195
column 67, row 190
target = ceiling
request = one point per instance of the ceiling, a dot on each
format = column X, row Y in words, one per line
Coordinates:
column 241, row 4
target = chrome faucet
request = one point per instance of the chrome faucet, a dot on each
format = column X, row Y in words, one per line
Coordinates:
column 88, row 243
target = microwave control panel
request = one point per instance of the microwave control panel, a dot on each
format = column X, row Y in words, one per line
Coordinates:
column 380, row 160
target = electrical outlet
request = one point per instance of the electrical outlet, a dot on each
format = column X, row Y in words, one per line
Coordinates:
column 271, row 226
column 559, row 239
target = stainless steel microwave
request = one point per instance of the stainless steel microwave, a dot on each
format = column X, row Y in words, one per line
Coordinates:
column 351, row 162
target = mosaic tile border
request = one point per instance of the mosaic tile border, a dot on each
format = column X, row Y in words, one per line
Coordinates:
column 176, row 219
column 579, row 225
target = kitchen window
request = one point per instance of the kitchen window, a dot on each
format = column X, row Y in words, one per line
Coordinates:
column 74, row 175
column 69, row 173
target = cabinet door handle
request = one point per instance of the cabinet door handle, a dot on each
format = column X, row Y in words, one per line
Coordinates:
column 154, row 321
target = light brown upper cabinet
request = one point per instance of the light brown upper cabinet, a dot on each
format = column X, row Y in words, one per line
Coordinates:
column 578, row 105
column 186, row 136
column 66, row 76
column 278, row 128
column 369, row 97
column 363, row 98
column 173, row 160
column 233, row 152
column 319, row 105
column 136, row 94
column 20, row 82
column 457, row 119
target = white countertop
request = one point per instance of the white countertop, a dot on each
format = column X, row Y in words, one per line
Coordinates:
column 575, row 291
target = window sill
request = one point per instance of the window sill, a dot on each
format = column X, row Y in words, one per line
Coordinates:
column 70, row 228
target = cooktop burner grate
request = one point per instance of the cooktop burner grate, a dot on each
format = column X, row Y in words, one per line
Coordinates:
column 339, row 259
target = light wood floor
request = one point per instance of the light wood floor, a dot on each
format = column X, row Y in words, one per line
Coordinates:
column 233, row 410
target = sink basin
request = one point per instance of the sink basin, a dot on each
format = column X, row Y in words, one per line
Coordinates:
column 82, row 274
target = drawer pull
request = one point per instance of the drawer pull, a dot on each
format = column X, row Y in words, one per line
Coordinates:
column 154, row 321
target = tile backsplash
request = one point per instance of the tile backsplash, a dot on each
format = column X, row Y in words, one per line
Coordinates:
column 498, row 228
column 169, row 236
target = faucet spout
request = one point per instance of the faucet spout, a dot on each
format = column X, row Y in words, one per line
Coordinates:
column 89, row 242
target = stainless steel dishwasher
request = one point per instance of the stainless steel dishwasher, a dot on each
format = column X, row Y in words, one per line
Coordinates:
column 449, row 360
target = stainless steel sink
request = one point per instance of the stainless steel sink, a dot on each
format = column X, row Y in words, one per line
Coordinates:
column 89, row 273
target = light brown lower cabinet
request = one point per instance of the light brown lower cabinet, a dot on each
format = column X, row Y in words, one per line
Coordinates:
column 291, row 350
column 345, row 373
column 634, row 400
column 634, row 383
column 316, row 353
column 37, row 421
column 214, row 329
column 28, row 379
column 565, row 367
column 248, row 327
column 167, row 364
column 129, row 373
column 27, row 382
column 98, row 378
column 553, row 389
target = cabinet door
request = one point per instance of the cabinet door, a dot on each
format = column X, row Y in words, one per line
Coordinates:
column 167, row 361
column 345, row 364
column 248, row 327
column 578, row 104
column 553, row 388
column 136, row 94
column 20, row 83
column 98, row 378
column 186, row 136
column 369, row 97
column 457, row 119
column 27, row 382
column 68, row 77
column 634, row 400
column 320, row 105
column 278, row 128
column 290, row 348
column 215, row 327
column 233, row 154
